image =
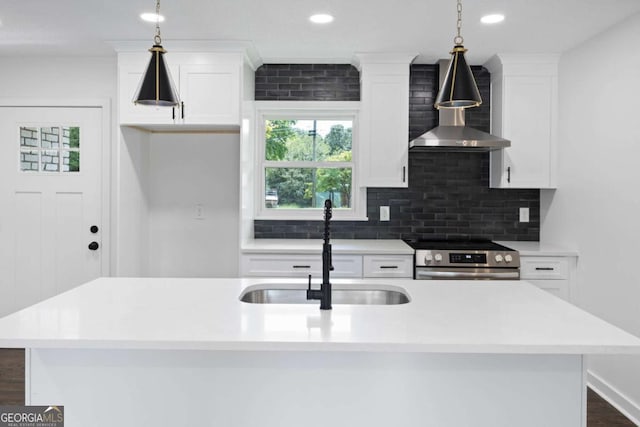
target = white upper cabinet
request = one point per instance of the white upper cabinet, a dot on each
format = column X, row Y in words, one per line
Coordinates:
column 210, row 93
column 209, row 86
column 524, row 109
column 384, row 120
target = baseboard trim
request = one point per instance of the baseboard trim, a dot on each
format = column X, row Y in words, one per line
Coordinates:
column 618, row 400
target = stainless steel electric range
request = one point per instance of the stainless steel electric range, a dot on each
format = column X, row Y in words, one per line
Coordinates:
column 464, row 260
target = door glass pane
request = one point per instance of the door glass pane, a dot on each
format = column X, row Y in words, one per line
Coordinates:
column 29, row 161
column 71, row 161
column 28, row 137
column 50, row 149
column 50, row 161
column 71, row 137
column 50, row 137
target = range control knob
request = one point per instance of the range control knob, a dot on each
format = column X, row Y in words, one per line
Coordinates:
column 438, row 257
column 428, row 258
column 498, row 258
column 508, row 258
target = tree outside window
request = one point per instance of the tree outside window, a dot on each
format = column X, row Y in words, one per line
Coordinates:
column 307, row 162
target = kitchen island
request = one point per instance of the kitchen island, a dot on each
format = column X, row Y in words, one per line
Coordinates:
column 185, row 352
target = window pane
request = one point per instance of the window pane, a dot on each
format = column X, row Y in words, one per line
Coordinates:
column 29, row 161
column 50, row 137
column 70, row 161
column 299, row 188
column 50, row 161
column 28, row 137
column 71, row 137
column 308, row 140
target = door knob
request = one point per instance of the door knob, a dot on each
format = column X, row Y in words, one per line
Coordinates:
column 94, row 229
column 93, row 246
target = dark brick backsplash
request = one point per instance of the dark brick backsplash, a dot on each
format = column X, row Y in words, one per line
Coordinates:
column 448, row 194
column 307, row 82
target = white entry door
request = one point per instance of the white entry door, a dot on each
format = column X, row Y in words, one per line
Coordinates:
column 50, row 202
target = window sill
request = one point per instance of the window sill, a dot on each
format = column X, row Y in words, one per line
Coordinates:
column 310, row 217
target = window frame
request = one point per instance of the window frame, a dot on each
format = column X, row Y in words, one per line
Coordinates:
column 308, row 110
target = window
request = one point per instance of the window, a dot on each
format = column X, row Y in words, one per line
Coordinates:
column 308, row 155
column 49, row 149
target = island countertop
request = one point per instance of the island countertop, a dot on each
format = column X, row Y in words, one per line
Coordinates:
column 510, row 317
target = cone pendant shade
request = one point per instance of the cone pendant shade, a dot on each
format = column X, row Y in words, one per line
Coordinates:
column 459, row 89
column 156, row 87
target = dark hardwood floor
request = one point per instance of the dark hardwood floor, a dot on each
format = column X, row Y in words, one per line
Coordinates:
column 11, row 376
column 599, row 412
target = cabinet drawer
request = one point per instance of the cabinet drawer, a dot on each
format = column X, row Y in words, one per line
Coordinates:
column 548, row 268
column 559, row 288
column 299, row 265
column 388, row 266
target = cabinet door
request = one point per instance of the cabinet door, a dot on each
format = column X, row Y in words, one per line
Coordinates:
column 129, row 77
column 210, row 93
column 548, row 273
column 385, row 124
column 527, row 120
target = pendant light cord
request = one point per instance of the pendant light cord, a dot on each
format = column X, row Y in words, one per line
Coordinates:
column 158, row 40
column 457, row 39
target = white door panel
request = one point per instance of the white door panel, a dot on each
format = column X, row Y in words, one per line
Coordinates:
column 50, row 183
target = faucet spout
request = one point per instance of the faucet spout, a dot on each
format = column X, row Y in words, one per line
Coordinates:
column 324, row 294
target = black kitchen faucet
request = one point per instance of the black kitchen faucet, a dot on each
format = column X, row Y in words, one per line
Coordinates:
column 324, row 293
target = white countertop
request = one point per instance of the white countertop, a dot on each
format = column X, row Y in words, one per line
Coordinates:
column 338, row 246
column 382, row 247
column 538, row 248
column 206, row 314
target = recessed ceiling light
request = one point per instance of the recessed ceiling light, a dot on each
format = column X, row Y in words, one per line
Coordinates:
column 321, row 18
column 492, row 19
column 151, row 17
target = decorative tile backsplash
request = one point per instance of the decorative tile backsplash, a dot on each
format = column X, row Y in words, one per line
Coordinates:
column 448, row 194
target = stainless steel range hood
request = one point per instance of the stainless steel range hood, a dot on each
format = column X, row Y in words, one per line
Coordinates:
column 453, row 135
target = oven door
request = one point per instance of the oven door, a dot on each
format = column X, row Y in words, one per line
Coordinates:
column 466, row 273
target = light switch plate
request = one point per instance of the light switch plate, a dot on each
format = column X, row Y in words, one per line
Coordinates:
column 524, row 214
column 384, row 213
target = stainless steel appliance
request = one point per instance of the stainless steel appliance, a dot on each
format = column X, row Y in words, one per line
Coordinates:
column 464, row 260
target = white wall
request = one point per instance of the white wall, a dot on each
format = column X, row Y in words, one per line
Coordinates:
column 596, row 207
column 187, row 171
column 58, row 77
column 131, row 189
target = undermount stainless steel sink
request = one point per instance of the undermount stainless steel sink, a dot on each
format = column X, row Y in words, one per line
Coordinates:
column 339, row 296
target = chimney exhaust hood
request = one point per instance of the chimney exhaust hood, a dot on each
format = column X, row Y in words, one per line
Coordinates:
column 453, row 135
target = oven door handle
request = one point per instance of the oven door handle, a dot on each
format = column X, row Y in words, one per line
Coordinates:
column 467, row 275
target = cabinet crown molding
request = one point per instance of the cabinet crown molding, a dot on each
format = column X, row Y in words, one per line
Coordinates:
column 361, row 59
column 523, row 64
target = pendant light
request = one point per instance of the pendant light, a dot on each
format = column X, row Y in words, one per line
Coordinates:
column 156, row 87
column 459, row 89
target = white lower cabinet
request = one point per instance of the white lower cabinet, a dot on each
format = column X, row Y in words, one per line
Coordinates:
column 289, row 265
column 348, row 266
column 551, row 273
column 387, row 266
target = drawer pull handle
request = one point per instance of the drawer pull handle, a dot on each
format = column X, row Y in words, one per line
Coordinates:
column 388, row 266
column 545, row 268
column 301, row 266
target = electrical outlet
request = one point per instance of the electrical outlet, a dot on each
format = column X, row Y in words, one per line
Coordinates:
column 384, row 213
column 200, row 214
column 524, row 214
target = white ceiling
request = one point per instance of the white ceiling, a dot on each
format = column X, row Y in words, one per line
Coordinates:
column 280, row 31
